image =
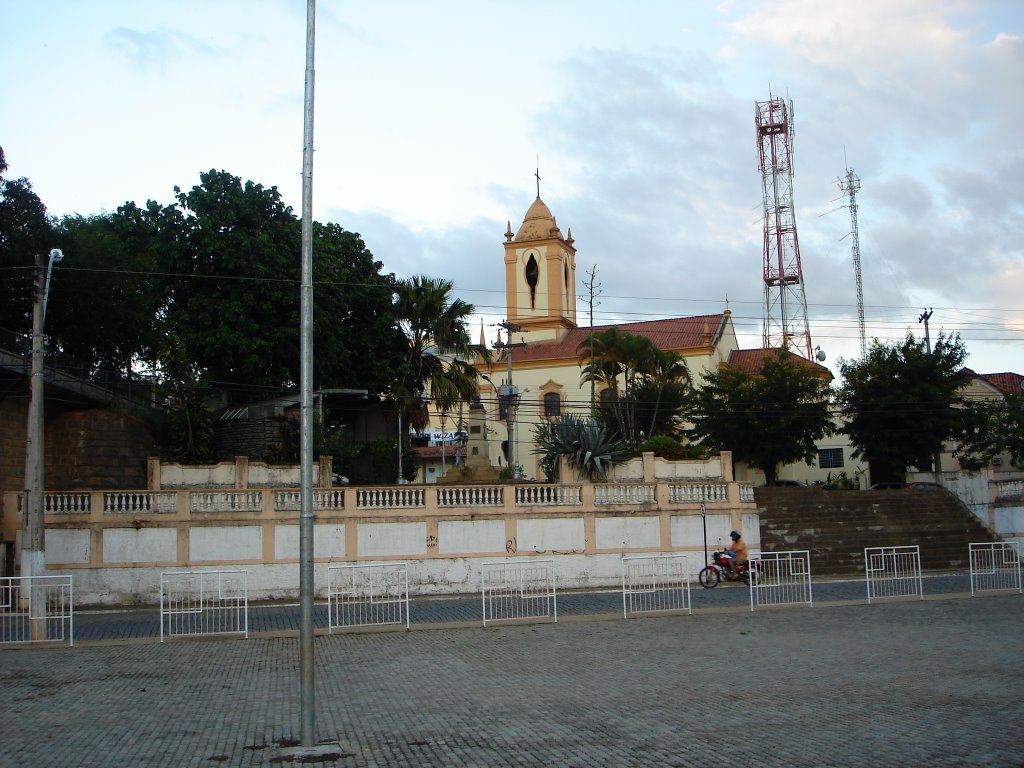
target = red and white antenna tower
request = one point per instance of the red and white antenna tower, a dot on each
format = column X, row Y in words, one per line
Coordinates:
column 785, row 305
column 850, row 185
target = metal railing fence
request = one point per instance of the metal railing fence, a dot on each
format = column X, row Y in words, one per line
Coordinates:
column 37, row 609
column 513, row 590
column 781, row 578
column 655, row 583
column 995, row 565
column 367, row 595
column 893, row 572
column 204, row 603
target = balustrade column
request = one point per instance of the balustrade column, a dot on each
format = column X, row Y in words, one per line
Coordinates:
column 95, row 506
column 587, row 495
column 661, row 494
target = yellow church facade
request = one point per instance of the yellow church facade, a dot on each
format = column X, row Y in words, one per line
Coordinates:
column 540, row 357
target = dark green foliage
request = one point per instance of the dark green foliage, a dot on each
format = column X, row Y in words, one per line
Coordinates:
column 669, row 448
column 772, row 417
column 435, row 348
column 991, row 428
column 647, row 386
column 587, row 445
column 373, row 463
column 218, row 272
column 841, row 481
column 25, row 232
column 901, row 402
column 114, row 260
column 189, row 422
column 234, row 299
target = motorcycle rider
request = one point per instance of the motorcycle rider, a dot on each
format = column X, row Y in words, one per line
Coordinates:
column 738, row 555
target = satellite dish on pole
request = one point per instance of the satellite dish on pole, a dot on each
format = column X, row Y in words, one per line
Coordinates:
column 819, row 355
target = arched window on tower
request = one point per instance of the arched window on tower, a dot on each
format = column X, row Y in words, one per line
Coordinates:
column 532, row 276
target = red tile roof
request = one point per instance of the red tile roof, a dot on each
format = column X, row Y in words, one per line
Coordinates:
column 1010, row 383
column 677, row 333
column 751, row 360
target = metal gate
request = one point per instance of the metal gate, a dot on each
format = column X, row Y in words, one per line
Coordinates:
column 995, row 565
column 893, row 572
column 518, row 589
column 781, row 578
column 203, row 603
column 367, row 595
column 652, row 583
column 37, row 609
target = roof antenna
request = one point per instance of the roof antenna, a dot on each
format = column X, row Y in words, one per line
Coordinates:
column 537, row 174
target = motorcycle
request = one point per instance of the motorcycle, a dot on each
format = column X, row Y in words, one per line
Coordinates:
column 718, row 570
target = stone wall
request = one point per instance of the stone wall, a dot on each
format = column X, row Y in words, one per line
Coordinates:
column 97, row 449
column 85, row 449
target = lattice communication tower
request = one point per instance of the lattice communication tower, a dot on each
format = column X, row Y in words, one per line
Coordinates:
column 850, row 185
column 785, row 305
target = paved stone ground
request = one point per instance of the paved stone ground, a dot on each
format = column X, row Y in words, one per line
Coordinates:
column 910, row 683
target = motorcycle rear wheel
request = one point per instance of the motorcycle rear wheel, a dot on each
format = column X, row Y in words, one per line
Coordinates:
column 709, row 577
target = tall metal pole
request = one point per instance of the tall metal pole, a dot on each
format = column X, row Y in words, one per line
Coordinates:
column 306, row 693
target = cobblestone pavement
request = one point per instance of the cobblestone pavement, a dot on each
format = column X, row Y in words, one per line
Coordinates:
column 933, row 682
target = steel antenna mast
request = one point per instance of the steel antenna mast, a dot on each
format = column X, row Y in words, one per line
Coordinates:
column 850, row 185
column 785, row 304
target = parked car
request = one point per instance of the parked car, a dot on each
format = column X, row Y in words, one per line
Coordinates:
column 790, row 483
column 925, row 486
column 887, row 486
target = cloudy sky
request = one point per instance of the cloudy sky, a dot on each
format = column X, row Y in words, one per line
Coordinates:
column 431, row 117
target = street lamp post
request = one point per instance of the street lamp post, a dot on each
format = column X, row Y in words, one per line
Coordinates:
column 33, row 555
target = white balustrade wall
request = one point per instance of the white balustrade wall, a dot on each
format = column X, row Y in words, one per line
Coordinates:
column 117, row 543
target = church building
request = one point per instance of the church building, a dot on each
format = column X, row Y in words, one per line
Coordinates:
column 540, row 356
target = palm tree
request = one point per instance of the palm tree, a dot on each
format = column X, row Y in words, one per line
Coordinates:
column 615, row 356
column 435, row 325
column 668, row 375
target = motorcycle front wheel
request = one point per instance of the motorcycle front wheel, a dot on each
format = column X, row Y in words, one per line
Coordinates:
column 709, row 577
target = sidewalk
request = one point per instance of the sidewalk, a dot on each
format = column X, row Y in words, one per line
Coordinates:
column 932, row 682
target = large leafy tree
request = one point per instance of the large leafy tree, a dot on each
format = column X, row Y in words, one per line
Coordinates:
column 113, row 259
column 901, row 402
column 991, row 428
column 25, row 231
column 437, row 349
column 233, row 295
column 766, row 418
column 646, row 385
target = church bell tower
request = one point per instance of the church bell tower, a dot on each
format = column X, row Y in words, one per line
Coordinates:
column 540, row 275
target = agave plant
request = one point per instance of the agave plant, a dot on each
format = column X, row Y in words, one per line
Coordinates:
column 583, row 441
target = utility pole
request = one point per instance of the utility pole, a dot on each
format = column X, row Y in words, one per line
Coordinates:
column 33, row 545
column 511, row 395
column 924, row 318
column 593, row 288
